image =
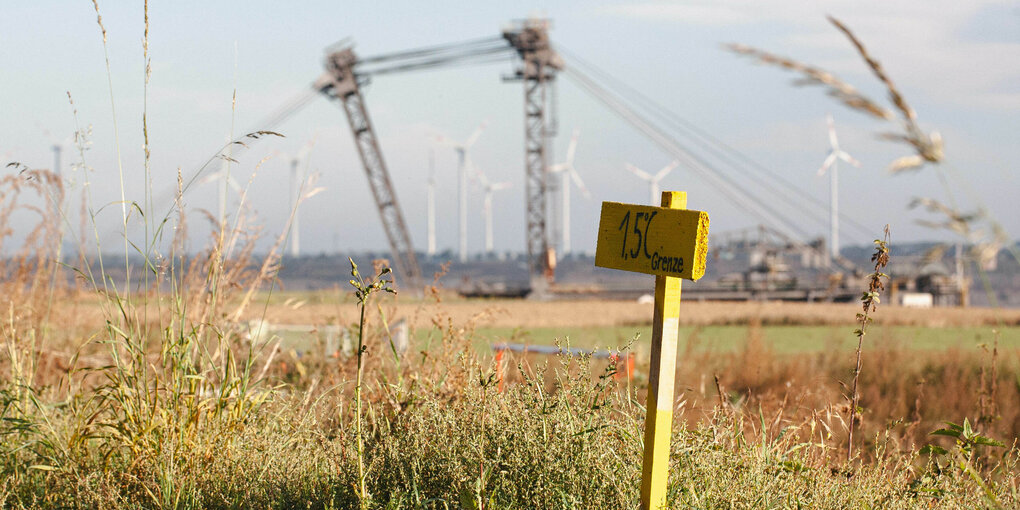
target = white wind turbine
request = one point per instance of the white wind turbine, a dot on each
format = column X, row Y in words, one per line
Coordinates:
column 430, row 205
column 463, row 161
column 489, row 188
column 568, row 173
column 224, row 180
column 653, row 180
column 297, row 178
column 58, row 148
column 835, row 153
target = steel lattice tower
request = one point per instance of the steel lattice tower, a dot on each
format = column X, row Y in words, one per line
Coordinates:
column 343, row 85
column 539, row 63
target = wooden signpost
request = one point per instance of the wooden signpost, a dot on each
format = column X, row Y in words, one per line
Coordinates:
column 670, row 242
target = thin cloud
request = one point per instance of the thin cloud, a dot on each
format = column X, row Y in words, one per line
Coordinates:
column 686, row 12
column 923, row 44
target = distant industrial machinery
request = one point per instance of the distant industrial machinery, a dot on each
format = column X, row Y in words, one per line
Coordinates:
column 346, row 73
column 762, row 193
column 341, row 83
column 539, row 64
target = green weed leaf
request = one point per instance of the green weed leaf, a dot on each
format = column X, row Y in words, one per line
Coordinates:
column 987, row 441
column 932, row 449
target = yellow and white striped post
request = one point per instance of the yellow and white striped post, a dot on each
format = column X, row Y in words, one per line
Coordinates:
column 661, row 379
column 670, row 242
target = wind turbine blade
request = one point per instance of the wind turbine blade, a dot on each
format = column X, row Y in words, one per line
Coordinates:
column 307, row 148
column 444, row 140
column 666, row 170
column 500, row 185
column 312, row 192
column 557, row 168
column 474, row 136
column 638, row 172
column 283, row 156
column 234, row 185
column 848, row 158
column 432, row 165
column 475, row 174
column 828, row 162
column 574, row 176
column 210, row 178
column 832, row 133
column 483, row 179
column 572, row 148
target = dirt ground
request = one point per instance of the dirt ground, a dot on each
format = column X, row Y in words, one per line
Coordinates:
column 522, row 313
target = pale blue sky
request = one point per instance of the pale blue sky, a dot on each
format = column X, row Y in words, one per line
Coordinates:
column 957, row 62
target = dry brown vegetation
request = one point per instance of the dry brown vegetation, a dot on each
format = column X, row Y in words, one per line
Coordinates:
column 596, row 313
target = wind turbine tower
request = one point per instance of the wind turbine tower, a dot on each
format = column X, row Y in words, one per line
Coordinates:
column 830, row 164
column 568, row 173
column 653, row 180
column 297, row 182
column 295, row 191
column 489, row 188
column 430, row 205
column 58, row 207
column 58, row 149
column 224, row 179
column 56, row 160
column 463, row 161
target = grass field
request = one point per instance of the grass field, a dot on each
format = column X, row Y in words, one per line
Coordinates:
column 780, row 339
column 314, row 308
column 785, row 328
column 162, row 401
column 759, row 407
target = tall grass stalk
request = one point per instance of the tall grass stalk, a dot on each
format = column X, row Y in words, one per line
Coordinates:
column 151, row 236
column 116, row 141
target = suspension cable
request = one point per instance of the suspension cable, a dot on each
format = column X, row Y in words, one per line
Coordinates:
column 722, row 182
column 430, row 50
column 717, row 147
column 664, row 114
column 443, row 60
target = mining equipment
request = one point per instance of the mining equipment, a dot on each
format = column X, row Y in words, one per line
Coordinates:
column 346, row 74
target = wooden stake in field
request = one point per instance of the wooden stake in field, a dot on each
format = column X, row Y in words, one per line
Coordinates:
column 670, row 242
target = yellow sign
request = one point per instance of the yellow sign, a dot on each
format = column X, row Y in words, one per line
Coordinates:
column 654, row 240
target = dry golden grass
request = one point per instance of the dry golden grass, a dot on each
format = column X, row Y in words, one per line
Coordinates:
column 526, row 314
